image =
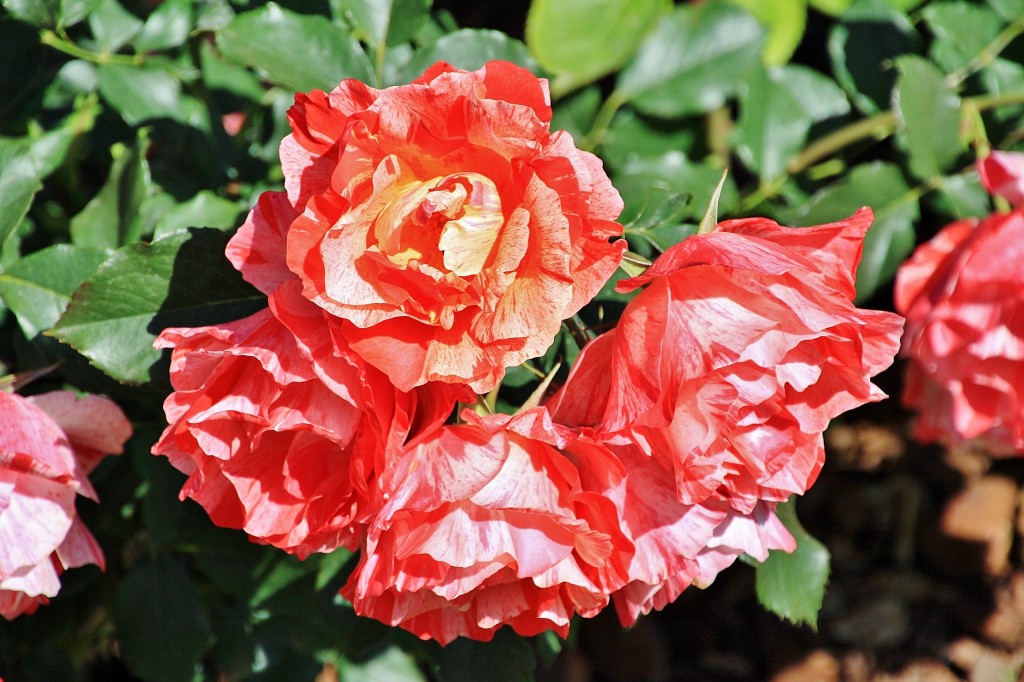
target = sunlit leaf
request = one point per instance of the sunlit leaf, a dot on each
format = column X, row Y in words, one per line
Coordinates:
column 299, row 51
column 38, row 288
column 792, row 586
column 583, row 40
column 693, row 60
column 182, row 280
column 929, row 114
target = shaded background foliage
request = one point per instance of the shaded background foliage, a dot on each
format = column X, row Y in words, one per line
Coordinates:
column 134, row 135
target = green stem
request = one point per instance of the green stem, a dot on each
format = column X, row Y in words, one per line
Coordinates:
column 879, row 127
column 61, row 44
column 989, row 54
column 578, row 330
column 599, row 131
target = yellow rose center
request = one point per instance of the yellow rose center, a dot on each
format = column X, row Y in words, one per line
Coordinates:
column 451, row 221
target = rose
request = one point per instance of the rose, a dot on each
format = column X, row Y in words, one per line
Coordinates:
column 963, row 296
column 281, row 430
column 731, row 361
column 441, row 220
column 48, row 445
column 674, row 544
column 520, row 521
column 715, row 387
column 1002, row 173
column 487, row 524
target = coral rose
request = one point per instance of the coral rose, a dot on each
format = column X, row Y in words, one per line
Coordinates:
column 48, row 445
column 1002, row 173
column 484, row 525
column 523, row 522
column 441, row 220
column 281, row 428
column 731, row 361
column 715, row 387
column 963, row 296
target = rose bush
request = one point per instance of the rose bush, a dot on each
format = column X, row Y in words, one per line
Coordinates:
column 48, row 445
column 442, row 222
column 433, row 234
column 962, row 293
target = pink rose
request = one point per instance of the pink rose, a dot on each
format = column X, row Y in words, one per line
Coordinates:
column 1002, row 173
column 731, row 361
column 48, row 445
column 487, row 524
column 722, row 374
column 963, row 296
column 282, row 429
column 442, row 221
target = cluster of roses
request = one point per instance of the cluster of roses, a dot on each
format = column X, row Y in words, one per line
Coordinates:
column 434, row 234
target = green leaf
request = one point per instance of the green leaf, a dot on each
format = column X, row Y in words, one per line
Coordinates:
column 1009, row 10
column 469, row 49
column 960, row 196
column 507, row 658
column 163, row 628
column 772, row 126
column 113, row 217
column 35, row 12
column 168, row 26
column 75, row 78
column 23, row 165
column 632, row 137
column 73, row 11
column 112, row 25
column 391, row 665
column 576, row 113
column 389, row 22
column 219, row 74
column 182, row 280
column 49, row 13
column 583, row 40
column 833, row 7
column 693, row 61
column 205, row 209
column 929, row 114
column 301, row 52
column 710, row 218
column 819, row 95
column 792, row 586
column 776, row 113
column 38, row 287
column 891, row 237
column 673, row 172
column 862, row 48
column 659, row 222
column 785, row 21
column 961, row 31
column 140, row 93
